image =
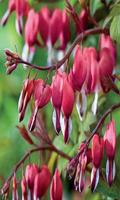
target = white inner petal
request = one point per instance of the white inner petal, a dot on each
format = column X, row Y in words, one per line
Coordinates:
column 94, row 105
column 81, row 106
column 19, row 25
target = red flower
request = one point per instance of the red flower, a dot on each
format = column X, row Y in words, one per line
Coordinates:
column 50, row 25
column 57, row 94
column 22, row 8
column 67, row 107
column 30, row 173
column 110, row 146
column 56, row 189
column 97, row 155
column 25, row 96
column 79, row 71
column 41, row 182
column 31, row 31
column 83, row 160
column 11, row 8
column 42, row 95
column 65, row 33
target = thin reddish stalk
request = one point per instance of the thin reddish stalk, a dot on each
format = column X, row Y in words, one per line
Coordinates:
column 57, row 65
column 98, row 126
column 18, row 165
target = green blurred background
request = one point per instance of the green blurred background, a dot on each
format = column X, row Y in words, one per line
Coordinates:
column 12, row 146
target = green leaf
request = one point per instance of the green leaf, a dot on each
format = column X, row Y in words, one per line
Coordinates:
column 94, row 5
column 115, row 10
column 115, row 28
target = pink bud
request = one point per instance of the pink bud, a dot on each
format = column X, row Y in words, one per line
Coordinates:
column 24, row 188
column 83, row 19
column 57, row 93
column 97, row 155
column 110, row 146
column 56, row 190
column 107, row 42
column 30, row 173
column 41, row 183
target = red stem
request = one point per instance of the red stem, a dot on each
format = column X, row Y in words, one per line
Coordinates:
column 18, row 165
column 80, row 37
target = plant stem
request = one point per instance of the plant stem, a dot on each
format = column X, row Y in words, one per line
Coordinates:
column 57, row 65
column 99, row 124
column 18, row 165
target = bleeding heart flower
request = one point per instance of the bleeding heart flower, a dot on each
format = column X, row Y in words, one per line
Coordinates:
column 56, row 189
column 41, row 182
column 57, row 94
column 67, row 107
column 65, row 32
column 31, row 31
column 50, row 24
column 11, row 8
column 42, row 95
column 97, row 155
column 22, row 8
column 25, row 97
column 110, row 146
column 50, row 28
column 30, row 174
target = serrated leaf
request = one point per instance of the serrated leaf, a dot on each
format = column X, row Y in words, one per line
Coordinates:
column 115, row 29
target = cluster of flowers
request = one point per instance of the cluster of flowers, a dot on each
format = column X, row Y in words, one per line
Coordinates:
column 35, row 183
column 94, row 155
column 51, row 25
column 88, row 75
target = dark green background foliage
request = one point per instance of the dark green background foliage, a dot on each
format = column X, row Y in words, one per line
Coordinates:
column 12, row 146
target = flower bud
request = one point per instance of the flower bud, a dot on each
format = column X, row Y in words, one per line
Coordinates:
column 41, row 182
column 56, row 189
